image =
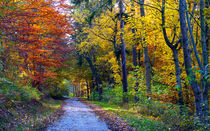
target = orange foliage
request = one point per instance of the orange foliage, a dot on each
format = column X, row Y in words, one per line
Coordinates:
column 38, row 28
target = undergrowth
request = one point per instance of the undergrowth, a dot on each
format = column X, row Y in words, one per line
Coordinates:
column 146, row 114
column 23, row 107
column 133, row 118
column 33, row 115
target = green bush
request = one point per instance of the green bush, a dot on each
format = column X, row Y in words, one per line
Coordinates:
column 71, row 94
column 167, row 113
column 13, row 91
column 117, row 99
column 110, row 95
column 94, row 96
column 58, row 90
column 136, row 85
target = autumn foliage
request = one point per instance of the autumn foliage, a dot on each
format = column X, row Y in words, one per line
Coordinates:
column 34, row 33
column 151, row 54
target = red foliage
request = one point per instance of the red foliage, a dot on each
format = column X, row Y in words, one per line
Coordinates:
column 38, row 29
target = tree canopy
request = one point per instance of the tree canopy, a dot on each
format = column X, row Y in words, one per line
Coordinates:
column 144, row 52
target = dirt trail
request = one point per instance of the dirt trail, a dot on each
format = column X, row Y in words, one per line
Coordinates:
column 78, row 117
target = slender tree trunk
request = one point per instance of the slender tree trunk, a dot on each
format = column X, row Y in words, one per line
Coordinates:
column 146, row 55
column 153, row 61
column 187, row 61
column 147, row 69
column 134, row 55
column 92, row 81
column 123, row 57
column 135, row 64
column 87, row 89
column 116, row 48
column 178, row 78
column 139, row 57
column 96, row 75
column 205, row 61
column 175, row 56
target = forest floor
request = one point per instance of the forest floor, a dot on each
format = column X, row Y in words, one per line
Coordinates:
column 32, row 115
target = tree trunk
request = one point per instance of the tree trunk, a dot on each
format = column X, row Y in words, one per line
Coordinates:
column 134, row 55
column 97, row 77
column 175, row 56
column 147, row 69
column 146, row 55
column 205, row 61
column 153, row 59
column 116, row 47
column 139, row 57
column 187, row 61
column 135, row 64
column 123, row 57
column 178, row 78
column 87, row 90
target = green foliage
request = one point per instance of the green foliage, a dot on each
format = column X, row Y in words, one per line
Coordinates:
column 118, row 90
column 110, row 94
column 94, row 96
column 14, row 92
column 145, row 124
column 152, row 116
column 159, row 88
column 136, row 81
column 167, row 113
column 113, row 95
column 71, row 94
column 59, row 90
column 134, row 119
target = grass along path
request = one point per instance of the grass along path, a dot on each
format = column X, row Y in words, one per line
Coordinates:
column 133, row 118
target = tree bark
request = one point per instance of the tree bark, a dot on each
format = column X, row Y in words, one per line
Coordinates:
column 96, row 75
column 205, row 61
column 123, row 57
column 139, row 57
column 87, row 90
column 134, row 55
column 146, row 55
column 175, row 56
column 192, row 37
column 116, row 47
column 178, row 78
column 153, row 59
column 187, row 61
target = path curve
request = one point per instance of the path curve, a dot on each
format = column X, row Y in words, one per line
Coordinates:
column 78, row 117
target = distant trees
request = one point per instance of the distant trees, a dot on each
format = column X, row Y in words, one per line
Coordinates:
column 151, row 35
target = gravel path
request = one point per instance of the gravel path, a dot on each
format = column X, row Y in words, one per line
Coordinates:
column 78, row 117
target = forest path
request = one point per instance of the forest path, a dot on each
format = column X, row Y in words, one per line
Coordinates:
column 78, row 117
